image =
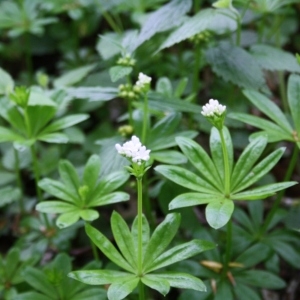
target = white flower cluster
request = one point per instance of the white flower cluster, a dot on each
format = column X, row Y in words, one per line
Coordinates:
column 134, row 150
column 143, row 80
column 213, row 108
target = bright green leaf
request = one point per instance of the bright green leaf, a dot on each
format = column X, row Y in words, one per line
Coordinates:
column 118, row 291
column 118, row 72
column 159, row 284
column 55, row 207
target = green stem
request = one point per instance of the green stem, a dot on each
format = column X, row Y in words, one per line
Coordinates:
column 282, row 88
column 146, row 201
column 226, row 164
column 37, row 179
column 141, row 291
column 95, row 252
column 111, row 22
column 239, row 29
column 28, row 58
column 145, row 120
column 288, row 174
column 228, row 248
column 196, row 71
column 19, row 180
column 140, row 226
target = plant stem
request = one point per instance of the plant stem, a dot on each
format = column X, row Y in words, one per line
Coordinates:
column 28, row 58
column 141, row 291
column 145, row 120
column 140, row 225
column 19, row 181
column 146, row 200
column 37, row 179
column 226, row 164
column 287, row 176
column 95, row 253
column 228, row 248
column 196, row 71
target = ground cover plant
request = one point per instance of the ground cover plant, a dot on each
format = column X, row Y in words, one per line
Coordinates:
column 149, row 149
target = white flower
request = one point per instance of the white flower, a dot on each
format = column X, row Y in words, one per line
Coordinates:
column 143, row 80
column 134, row 150
column 213, row 108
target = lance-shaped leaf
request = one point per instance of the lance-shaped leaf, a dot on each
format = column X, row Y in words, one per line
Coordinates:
column 200, row 159
column 247, row 159
column 88, row 214
column 260, row 170
column 55, row 207
column 31, row 295
column 269, row 108
column 91, row 172
column 55, row 137
column 69, row 176
column 293, row 99
column 108, row 199
column 161, row 238
column 182, row 280
column 120, row 290
column 263, row 192
column 64, row 122
column 218, row 213
column 179, row 253
column 186, row 179
column 123, row 238
column 99, row 277
column 56, row 189
column 107, row 248
column 217, row 152
column 169, row 157
column 272, row 130
column 159, row 284
column 8, row 135
column 192, row 199
column 68, row 219
column 145, row 233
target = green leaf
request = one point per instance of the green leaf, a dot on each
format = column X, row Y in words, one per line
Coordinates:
column 145, row 233
column 31, row 296
column 108, row 199
column 182, row 280
column 206, row 19
column 89, row 214
column 161, row 238
column 91, row 294
column 164, row 86
column 164, row 18
column 260, row 170
column 124, row 239
column 293, row 99
column 179, row 253
column 222, row 4
column 273, row 131
column 99, row 277
column 159, row 284
column 245, row 292
column 269, row 108
column 8, row 135
column 192, row 199
column 11, row 264
column 91, row 172
column 65, row 122
column 218, row 213
column 262, row 279
column 39, row 281
column 107, row 247
column 202, row 162
column 57, row 138
column 74, row 76
column 263, row 192
column 69, row 177
column 118, row 291
column 38, row 117
column 247, row 159
column 235, row 64
column 274, row 59
column 217, row 152
column 93, row 93
column 186, row 178
column 57, row 189
column 67, row 219
column 169, row 157
column 6, row 83
column 9, row 194
column 118, row 72
column 55, row 207
column 254, row 255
